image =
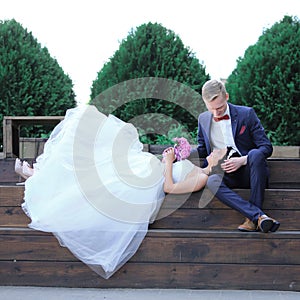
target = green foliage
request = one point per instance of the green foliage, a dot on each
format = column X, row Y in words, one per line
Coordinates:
column 167, row 139
column 151, row 51
column 31, row 82
column 268, row 79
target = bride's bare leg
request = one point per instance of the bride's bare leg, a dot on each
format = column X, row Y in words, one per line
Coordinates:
column 27, row 170
column 19, row 168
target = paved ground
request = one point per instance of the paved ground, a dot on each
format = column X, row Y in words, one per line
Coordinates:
column 37, row 293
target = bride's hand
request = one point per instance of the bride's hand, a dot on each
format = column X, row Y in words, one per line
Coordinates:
column 215, row 156
column 169, row 155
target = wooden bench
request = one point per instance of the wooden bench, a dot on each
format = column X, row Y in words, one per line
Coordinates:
column 11, row 131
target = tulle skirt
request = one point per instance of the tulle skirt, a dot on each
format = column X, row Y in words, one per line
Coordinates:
column 95, row 189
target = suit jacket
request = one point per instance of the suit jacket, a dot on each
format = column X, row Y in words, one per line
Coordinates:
column 247, row 130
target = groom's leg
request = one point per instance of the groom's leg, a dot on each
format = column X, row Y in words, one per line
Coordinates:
column 217, row 186
column 258, row 176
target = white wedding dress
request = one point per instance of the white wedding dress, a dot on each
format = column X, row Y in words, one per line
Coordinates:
column 95, row 189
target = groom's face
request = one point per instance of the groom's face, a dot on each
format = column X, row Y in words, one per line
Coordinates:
column 217, row 106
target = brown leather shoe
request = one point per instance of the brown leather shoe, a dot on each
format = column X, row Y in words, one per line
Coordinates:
column 266, row 224
column 247, row 226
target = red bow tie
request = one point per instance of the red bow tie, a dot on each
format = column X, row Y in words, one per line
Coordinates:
column 225, row 117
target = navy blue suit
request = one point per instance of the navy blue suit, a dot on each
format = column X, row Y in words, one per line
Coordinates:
column 250, row 139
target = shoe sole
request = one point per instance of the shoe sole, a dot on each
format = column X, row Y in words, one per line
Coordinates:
column 247, row 230
column 266, row 225
column 275, row 226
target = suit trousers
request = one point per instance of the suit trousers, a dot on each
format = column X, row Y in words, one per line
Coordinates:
column 254, row 176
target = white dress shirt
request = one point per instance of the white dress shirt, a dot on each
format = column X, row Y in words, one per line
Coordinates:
column 221, row 133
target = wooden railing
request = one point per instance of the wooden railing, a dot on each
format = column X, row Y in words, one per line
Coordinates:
column 11, row 131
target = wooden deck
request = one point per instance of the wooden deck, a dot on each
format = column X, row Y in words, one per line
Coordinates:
column 191, row 248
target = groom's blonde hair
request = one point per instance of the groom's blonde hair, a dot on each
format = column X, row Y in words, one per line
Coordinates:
column 212, row 89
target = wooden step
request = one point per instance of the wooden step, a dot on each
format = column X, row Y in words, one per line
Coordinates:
column 167, row 258
column 284, row 173
column 12, row 196
column 204, row 219
column 153, row 275
column 204, row 246
column 281, row 204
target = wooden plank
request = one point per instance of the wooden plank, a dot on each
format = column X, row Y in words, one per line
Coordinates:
column 11, row 195
column 280, row 204
column 33, row 247
column 284, row 173
column 7, row 138
column 175, row 233
column 152, row 275
column 201, row 219
column 8, row 176
column 286, row 151
column 221, row 250
column 34, row 120
column 13, row 216
column 7, row 172
column 193, row 248
column 274, row 198
column 30, row 148
column 228, row 234
column 6, row 230
column 221, row 219
column 278, row 151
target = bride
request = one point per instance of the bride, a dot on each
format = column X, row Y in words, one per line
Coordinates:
column 96, row 190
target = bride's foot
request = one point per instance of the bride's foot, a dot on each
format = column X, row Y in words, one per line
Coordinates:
column 26, row 169
column 19, row 168
column 18, row 165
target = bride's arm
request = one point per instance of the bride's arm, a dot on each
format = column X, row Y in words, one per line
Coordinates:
column 193, row 182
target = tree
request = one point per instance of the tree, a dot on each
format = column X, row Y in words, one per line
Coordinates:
column 31, row 81
column 151, row 51
column 268, row 79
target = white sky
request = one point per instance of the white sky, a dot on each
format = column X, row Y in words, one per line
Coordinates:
column 83, row 35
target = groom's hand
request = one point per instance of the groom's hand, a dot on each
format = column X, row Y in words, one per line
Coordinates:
column 233, row 164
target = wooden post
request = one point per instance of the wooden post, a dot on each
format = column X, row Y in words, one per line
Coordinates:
column 10, row 135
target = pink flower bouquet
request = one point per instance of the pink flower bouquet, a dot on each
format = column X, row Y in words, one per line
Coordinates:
column 182, row 148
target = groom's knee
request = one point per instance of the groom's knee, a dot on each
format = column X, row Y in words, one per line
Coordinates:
column 256, row 159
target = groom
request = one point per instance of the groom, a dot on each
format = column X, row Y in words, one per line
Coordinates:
column 239, row 129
